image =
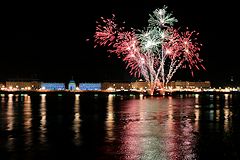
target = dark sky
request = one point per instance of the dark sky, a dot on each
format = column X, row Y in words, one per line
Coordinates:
column 48, row 40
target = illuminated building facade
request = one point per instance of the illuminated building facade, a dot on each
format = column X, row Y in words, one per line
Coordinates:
column 53, row 86
column 140, row 85
column 105, row 86
column 23, row 85
column 2, row 84
column 90, row 86
column 72, row 85
column 189, row 85
column 116, row 85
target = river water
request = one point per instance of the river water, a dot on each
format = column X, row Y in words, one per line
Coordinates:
column 126, row 127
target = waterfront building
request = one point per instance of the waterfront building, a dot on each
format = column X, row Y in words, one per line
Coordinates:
column 90, row 86
column 22, row 85
column 72, row 85
column 53, row 86
column 116, row 86
column 2, row 85
column 189, row 85
column 140, row 85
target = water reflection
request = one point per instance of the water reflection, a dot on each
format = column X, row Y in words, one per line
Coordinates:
column 10, row 113
column 119, row 127
column 226, row 100
column 76, row 122
column 110, row 119
column 27, row 116
column 218, row 114
column 197, row 98
column 10, row 122
column 43, row 120
column 170, row 111
column 131, row 127
column 197, row 119
column 227, row 118
column 180, row 139
column 227, row 111
column 211, row 114
column 2, row 98
column 158, row 129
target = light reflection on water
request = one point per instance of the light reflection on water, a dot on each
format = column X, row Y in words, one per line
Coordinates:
column 10, row 122
column 76, row 122
column 157, row 130
column 27, row 116
column 181, row 143
column 43, row 119
column 10, row 113
column 110, row 119
column 119, row 126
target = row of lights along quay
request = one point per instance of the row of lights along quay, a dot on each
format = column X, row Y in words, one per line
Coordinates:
column 108, row 87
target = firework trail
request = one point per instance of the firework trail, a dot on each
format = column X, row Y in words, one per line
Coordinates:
column 155, row 53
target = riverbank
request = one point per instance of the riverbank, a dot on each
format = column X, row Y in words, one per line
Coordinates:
column 67, row 92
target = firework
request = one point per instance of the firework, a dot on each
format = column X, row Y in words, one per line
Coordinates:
column 155, row 53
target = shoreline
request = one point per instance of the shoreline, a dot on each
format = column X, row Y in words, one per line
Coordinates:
column 68, row 92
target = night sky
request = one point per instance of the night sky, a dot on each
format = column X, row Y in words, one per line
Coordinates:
column 48, row 40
